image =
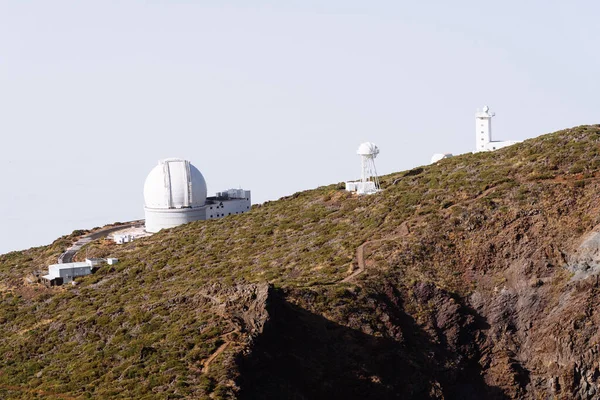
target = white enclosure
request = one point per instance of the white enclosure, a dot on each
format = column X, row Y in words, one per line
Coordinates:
column 437, row 157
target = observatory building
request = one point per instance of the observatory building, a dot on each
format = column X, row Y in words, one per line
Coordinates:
column 369, row 181
column 483, row 132
column 175, row 193
column 483, row 135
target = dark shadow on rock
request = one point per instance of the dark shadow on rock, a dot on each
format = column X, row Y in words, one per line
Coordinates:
column 302, row 355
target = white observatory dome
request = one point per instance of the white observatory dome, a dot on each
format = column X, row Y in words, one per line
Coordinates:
column 368, row 149
column 174, row 194
column 174, row 183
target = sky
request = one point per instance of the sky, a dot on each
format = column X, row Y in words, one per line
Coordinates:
column 272, row 96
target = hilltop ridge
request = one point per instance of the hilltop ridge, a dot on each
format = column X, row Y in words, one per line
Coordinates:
column 473, row 277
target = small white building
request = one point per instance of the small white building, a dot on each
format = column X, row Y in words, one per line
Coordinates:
column 440, row 156
column 121, row 239
column 112, row 261
column 483, row 132
column 65, row 273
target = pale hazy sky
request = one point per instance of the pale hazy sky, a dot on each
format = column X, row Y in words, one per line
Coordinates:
column 273, row 96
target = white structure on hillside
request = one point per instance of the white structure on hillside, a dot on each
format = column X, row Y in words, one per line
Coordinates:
column 175, row 193
column 440, row 156
column 65, row 273
column 123, row 238
column 129, row 234
column 369, row 181
column 483, row 132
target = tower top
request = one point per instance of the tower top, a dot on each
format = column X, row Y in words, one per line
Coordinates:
column 368, row 149
column 485, row 113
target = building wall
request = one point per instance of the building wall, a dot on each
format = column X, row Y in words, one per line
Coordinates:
column 157, row 219
column 223, row 208
column 236, row 206
column 483, row 126
column 69, row 273
column 361, row 187
column 498, row 145
column 55, row 269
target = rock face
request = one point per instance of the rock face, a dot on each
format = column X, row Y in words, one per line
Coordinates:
column 585, row 261
column 511, row 344
column 245, row 306
column 489, row 296
column 244, row 309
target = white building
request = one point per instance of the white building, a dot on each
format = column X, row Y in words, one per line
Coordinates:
column 65, row 273
column 175, row 193
column 483, row 132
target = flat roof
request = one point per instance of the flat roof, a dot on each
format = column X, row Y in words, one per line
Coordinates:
column 69, row 265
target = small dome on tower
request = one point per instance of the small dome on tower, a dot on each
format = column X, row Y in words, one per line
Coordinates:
column 174, row 183
column 368, row 149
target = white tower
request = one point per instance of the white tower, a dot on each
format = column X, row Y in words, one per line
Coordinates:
column 369, row 181
column 483, row 129
column 367, row 152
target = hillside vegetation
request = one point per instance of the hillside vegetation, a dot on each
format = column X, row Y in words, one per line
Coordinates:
column 475, row 277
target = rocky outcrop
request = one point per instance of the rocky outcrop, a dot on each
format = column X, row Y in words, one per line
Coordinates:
column 585, row 260
column 245, row 306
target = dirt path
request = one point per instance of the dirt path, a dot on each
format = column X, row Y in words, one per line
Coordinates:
column 360, row 255
column 360, row 250
column 219, row 351
column 360, row 258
